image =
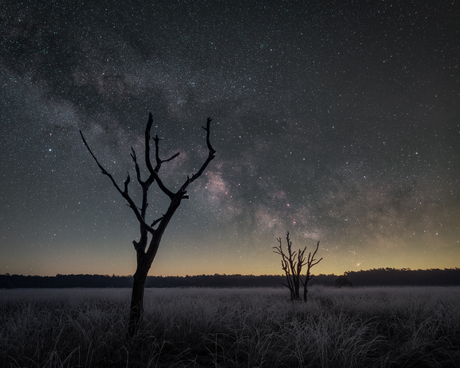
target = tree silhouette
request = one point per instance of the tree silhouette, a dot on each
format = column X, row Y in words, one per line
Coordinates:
column 292, row 264
column 342, row 281
column 146, row 249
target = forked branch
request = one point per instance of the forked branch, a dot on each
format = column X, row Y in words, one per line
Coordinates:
column 311, row 261
column 157, row 155
column 124, row 193
column 211, row 155
column 153, row 172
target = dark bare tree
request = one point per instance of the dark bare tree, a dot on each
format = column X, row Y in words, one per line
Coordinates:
column 146, row 249
column 292, row 264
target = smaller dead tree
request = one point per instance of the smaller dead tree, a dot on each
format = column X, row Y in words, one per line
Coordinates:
column 292, row 264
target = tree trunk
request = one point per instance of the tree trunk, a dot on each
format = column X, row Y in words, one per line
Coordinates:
column 297, row 286
column 305, row 291
column 137, row 299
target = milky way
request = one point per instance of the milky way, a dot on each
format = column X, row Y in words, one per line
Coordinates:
column 336, row 121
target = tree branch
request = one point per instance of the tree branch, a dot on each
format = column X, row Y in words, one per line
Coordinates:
column 211, row 155
column 136, row 165
column 157, row 155
column 128, row 179
column 311, row 258
column 208, row 132
column 124, row 194
column 148, row 163
column 157, row 221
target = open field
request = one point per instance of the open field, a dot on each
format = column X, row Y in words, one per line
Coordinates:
column 362, row 327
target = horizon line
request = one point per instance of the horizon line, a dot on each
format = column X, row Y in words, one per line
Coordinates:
column 235, row 274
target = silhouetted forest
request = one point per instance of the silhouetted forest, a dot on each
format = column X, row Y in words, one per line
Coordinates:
column 374, row 277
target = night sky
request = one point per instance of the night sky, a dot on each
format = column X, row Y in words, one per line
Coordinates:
column 337, row 121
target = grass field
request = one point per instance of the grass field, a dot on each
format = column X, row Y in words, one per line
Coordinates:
column 358, row 327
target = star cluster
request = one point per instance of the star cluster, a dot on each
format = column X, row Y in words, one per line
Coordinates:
column 336, row 121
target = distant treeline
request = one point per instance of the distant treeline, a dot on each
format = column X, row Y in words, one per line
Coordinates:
column 374, row 277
